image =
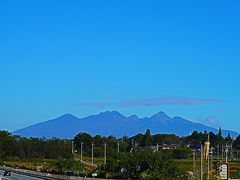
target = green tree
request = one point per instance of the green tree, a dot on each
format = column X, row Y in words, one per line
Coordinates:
column 228, row 139
column 236, row 143
column 219, row 138
column 146, row 138
column 68, row 165
column 87, row 141
column 182, row 152
column 220, row 132
column 7, row 144
column 141, row 164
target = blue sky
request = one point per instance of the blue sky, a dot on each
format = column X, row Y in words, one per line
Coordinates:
column 136, row 57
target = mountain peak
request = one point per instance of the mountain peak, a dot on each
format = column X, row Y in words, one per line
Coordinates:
column 134, row 116
column 67, row 116
column 111, row 114
column 160, row 115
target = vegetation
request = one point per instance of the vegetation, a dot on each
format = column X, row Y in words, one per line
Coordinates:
column 143, row 156
column 30, row 148
column 140, row 165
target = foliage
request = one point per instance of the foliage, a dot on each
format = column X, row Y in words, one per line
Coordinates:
column 236, row 143
column 182, row 152
column 30, row 148
column 68, row 165
column 140, row 165
column 137, row 157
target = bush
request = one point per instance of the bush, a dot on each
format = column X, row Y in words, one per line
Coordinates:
column 141, row 165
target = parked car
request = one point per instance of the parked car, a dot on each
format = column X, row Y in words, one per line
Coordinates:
column 7, row 173
column 82, row 174
column 69, row 173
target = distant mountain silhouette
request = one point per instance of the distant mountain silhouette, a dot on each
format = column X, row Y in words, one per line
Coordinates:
column 114, row 123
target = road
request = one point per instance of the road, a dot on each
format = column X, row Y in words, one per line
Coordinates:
column 18, row 177
column 86, row 163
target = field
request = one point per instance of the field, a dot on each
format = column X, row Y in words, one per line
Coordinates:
column 184, row 165
column 187, row 165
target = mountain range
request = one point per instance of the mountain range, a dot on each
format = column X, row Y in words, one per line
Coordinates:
column 116, row 124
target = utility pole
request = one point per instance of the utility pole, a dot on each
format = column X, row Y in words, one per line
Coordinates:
column 237, row 156
column 105, row 153
column 194, row 162
column 211, row 153
column 81, row 152
column 118, row 149
column 136, row 144
column 208, row 160
column 201, row 175
column 222, row 153
column 226, row 151
column 208, row 166
column 72, row 147
column 92, row 153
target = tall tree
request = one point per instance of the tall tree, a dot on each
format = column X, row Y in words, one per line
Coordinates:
column 236, row 143
column 220, row 139
column 220, row 132
column 228, row 139
column 147, row 138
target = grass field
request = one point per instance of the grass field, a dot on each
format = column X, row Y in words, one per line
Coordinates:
column 185, row 165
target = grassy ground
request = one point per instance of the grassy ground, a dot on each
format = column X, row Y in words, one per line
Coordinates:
column 185, row 165
column 235, row 169
column 31, row 165
column 97, row 161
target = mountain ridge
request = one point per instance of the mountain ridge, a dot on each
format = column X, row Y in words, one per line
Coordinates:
column 114, row 123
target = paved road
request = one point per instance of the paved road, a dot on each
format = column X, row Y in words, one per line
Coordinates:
column 18, row 177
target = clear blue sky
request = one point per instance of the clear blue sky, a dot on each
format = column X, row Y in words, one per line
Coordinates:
column 136, row 57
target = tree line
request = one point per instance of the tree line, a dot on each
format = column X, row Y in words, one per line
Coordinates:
column 55, row 148
column 30, row 148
